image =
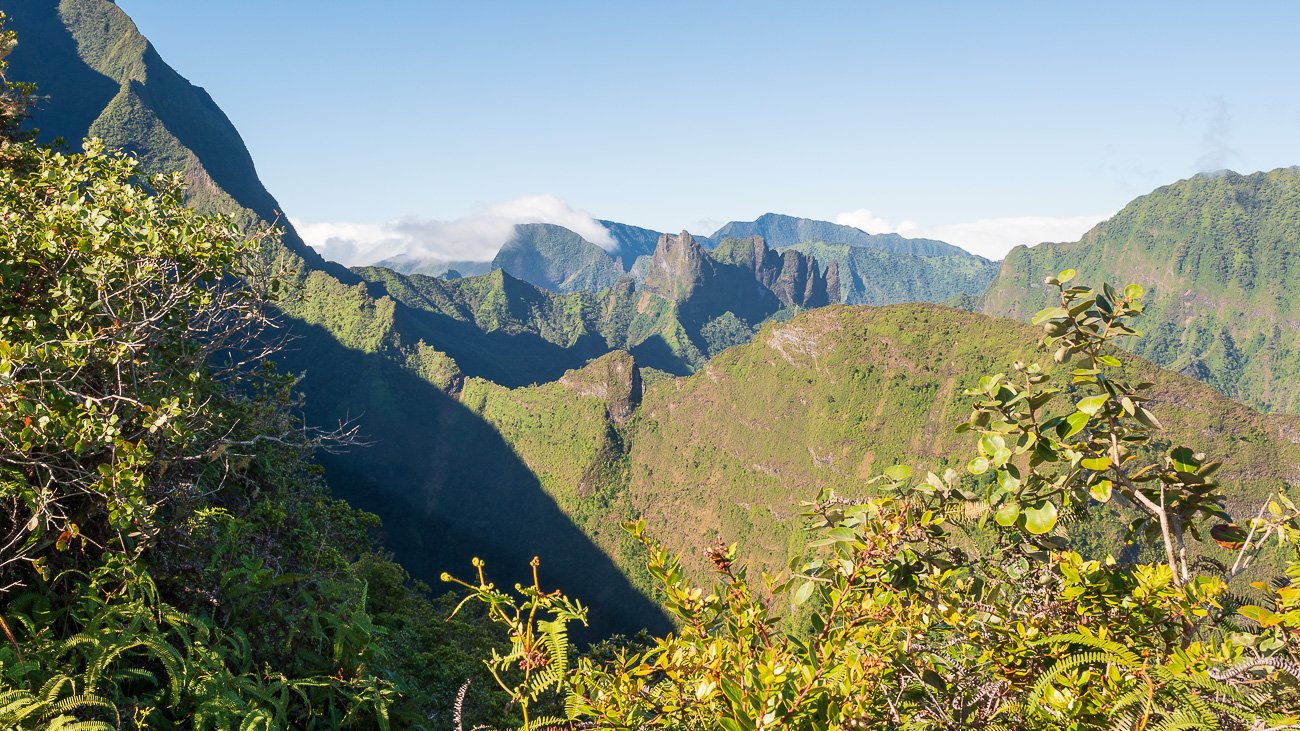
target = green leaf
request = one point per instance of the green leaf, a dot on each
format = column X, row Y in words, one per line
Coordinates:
column 1050, row 313
column 1101, row 491
column 978, row 466
column 1096, row 464
column 1066, row 276
column 935, row 481
column 991, row 443
column 898, row 472
column 843, row 535
column 1184, row 460
column 1073, row 424
column 803, row 592
column 1008, row 481
column 933, row 679
column 1007, row 514
column 1092, row 404
column 1040, row 518
column 730, row 724
column 1148, row 418
column 1133, row 291
column 1259, row 614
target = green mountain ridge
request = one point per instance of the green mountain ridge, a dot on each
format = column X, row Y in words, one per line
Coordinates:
column 877, row 269
column 435, row 267
column 870, row 276
column 99, row 77
column 781, row 231
column 1219, row 255
column 555, row 258
column 827, row 399
column 633, row 241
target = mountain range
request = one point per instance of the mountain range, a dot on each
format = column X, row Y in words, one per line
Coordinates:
column 705, row 383
column 874, row 268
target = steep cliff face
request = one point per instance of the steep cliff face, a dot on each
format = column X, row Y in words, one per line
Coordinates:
column 795, row 279
column 99, row 77
column 613, row 379
column 679, row 268
column 722, row 295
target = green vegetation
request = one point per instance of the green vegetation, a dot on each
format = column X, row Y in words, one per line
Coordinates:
column 99, row 77
column 171, row 558
column 187, row 567
column 822, row 400
column 906, row 628
column 870, row 276
column 500, row 328
column 555, row 258
column 725, row 331
column 1218, row 255
column 782, row 232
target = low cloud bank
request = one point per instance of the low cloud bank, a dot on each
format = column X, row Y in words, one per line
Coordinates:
column 473, row 238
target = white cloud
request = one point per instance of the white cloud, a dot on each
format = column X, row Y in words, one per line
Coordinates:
column 473, row 238
column 873, row 224
column 988, row 237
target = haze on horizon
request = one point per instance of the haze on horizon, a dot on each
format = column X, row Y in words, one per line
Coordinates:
column 439, row 125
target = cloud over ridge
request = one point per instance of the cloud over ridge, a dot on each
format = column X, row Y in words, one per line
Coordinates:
column 477, row 237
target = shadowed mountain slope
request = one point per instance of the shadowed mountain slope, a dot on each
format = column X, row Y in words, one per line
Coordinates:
column 446, row 484
column 101, row 78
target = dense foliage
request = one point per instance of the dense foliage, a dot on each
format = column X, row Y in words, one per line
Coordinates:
column 904, row 627
column 169, row 557
column 172, row 559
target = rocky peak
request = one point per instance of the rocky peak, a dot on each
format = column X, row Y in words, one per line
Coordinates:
column 793, row 277
column 613, row 378
column 678, row 267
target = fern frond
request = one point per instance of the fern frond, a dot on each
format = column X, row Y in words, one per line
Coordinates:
column 1183, row 719
column 1122, row 654
column 547, row 723
column 1060, row 668
column 83, row 703
column 71, row 724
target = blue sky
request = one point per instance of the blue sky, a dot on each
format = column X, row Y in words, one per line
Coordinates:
column 991, row 123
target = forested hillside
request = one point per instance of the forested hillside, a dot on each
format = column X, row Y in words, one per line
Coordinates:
column 1074, row 568
column 829, row 399
column 916, row 517
column 1218, row 254
column 555, row 258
